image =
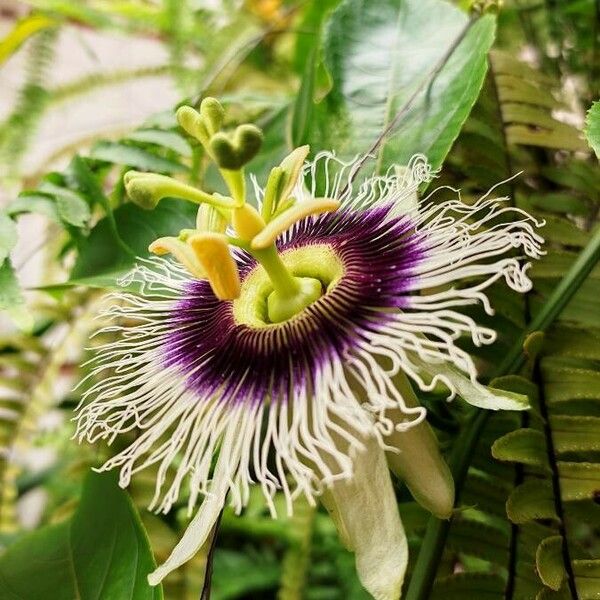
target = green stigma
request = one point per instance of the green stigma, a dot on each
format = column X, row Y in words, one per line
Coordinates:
column 285, row 289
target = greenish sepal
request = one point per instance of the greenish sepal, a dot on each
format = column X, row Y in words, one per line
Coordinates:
column 283, row 206
column 272, row 192
column 292, row 167
column 282, row 306
column 213, row 114
column 232, row 152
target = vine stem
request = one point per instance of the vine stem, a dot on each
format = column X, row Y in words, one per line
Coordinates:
column 436, row 532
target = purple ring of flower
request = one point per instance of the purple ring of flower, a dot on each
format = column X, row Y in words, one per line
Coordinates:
column 216, row 354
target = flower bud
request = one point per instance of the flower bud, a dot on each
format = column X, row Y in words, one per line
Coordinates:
column 212, row 114
column 233, row 152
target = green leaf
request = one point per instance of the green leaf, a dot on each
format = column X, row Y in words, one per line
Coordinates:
column 592, row 127
column 478, row 539
column 253, row 574
column 102, row 552
column 563, row 382
column 384, row 64
column 461, row 586
column 103, row 260
column 133, row 156
column 533, row 499
column 575, row 434
column 579, row 480
column 34, row 202
column 167, row 139
column 8, row 235
column 71, row 206
column 11, row 298
column 525, row 446
column 549, row 562
column 303, row 106
column 587, row 578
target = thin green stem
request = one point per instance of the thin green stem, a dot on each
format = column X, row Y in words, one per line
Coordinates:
column 436, row 532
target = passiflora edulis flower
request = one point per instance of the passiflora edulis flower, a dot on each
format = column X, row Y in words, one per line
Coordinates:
column 276, row 345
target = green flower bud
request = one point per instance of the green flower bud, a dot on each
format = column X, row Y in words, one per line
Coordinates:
column 233, row 152
column 192, row 122
column 212, row 114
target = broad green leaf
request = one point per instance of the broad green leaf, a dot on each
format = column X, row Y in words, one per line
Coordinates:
column 133, row 156
column 533, row 499
column 8, row 235
column 525, row 446
column 100, row 257
column 592, row 127
column 102, row 552
column 160, row 137
column 11, row 298
column 549, row 562
column 387, row 72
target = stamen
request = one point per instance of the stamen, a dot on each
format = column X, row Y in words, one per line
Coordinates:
column 284, row 221
column 181, row 251
column 212, row 251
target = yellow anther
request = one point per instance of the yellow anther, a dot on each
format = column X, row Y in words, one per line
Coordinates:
column 212, row 251
column 247, row 222
column 286, row 219
column 181, row 251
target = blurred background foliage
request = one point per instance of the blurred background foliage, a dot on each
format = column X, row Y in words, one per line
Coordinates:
column 484, row 90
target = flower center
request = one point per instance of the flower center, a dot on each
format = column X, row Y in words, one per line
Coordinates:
column 315, row 269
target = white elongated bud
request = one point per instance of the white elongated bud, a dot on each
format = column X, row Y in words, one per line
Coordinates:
column 365, row 512
column 419, row 462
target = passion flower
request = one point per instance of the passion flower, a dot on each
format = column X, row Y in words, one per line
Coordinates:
column 281, row 338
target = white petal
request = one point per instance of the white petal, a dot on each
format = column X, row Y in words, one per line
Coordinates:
column 474, row 393
column 201, row 525
column 365, row 512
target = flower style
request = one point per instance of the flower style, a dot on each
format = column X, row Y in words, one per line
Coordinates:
column 283, row 342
